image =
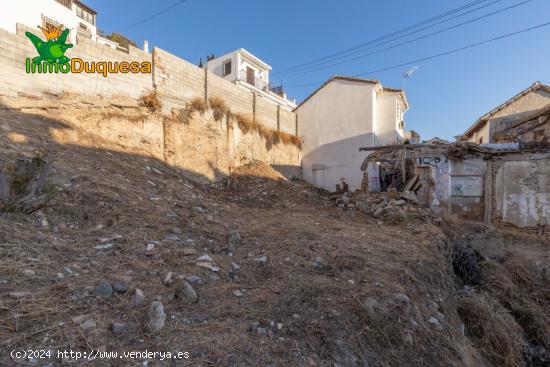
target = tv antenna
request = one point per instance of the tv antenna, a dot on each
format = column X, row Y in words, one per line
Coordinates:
column 408, row 74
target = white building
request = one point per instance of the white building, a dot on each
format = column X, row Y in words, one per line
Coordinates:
column 342, row 115
column 248, row 71
column 72, row 14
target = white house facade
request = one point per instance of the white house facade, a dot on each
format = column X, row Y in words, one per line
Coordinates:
column 342, row 115
column 72, row 14
column 246, row 70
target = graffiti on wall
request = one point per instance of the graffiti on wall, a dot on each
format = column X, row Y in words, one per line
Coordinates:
column 467, row 186
column 434, row 161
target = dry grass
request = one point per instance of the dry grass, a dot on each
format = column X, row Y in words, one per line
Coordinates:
column 219, row 107
column 123, row 116
column 246, row 123
column 197, row 104
column 495, row 332
column 519, row 291
column 272, row 137
column 151, row 101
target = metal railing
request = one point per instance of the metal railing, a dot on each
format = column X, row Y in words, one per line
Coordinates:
column 256, row 82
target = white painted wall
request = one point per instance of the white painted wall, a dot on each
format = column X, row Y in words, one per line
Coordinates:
column 216, row 65
column 388, row 119
column 339, row 119
column 29, row 12
column 334, row 123
column 239, row 64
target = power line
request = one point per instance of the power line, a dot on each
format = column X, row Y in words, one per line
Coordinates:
column 426, row 21
column 181, row 2
column 309, row 70
column 436, row 55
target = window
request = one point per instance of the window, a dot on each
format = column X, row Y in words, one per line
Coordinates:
column 85, row 14
column 226, row 68
column 481, row 140
column 65, row 3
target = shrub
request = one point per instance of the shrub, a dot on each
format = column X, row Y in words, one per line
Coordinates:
column 245, row 123
column 196, row 105
column 219, row 107
column 151, row 101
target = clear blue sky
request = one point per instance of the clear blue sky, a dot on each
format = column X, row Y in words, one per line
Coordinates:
column 446, row 94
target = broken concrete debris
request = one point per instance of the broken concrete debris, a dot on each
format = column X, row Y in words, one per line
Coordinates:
column 209, row 265
column 157, row 317
column 138, row 297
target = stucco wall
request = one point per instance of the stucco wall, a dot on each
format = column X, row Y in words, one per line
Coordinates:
column 30, row 12
column 522, row 190
column 387, row 130
column 521, row 108
column 509, row 115
column 334, row 123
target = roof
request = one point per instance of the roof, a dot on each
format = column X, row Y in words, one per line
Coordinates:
column 436, row 140
column 483, row 119
column 247, row 55
column 358, row 80
column 87, row 7
column 527, row 123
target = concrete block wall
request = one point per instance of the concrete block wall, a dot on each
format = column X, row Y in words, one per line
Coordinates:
column 239, row 99
column 176, row 80
column 266, row 113
column 288, row 121
column 16, row 48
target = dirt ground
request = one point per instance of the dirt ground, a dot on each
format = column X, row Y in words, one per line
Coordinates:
column 304, row 283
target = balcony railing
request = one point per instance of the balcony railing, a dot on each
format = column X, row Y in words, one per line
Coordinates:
column 66, row 3
column 258, row 83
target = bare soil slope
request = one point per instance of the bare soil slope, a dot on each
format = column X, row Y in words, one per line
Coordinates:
column 301, row 284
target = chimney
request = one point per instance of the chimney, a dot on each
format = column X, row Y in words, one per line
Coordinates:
column 146, row 46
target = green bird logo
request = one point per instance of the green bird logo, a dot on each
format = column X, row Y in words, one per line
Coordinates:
column 53, row 50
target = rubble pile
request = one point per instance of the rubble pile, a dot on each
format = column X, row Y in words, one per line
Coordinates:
column 391, row 206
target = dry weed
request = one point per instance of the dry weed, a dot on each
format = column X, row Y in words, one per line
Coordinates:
column 219, row 107
column 197, row 104
column 495, row 332
column 246, row 123
column 150, row 101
